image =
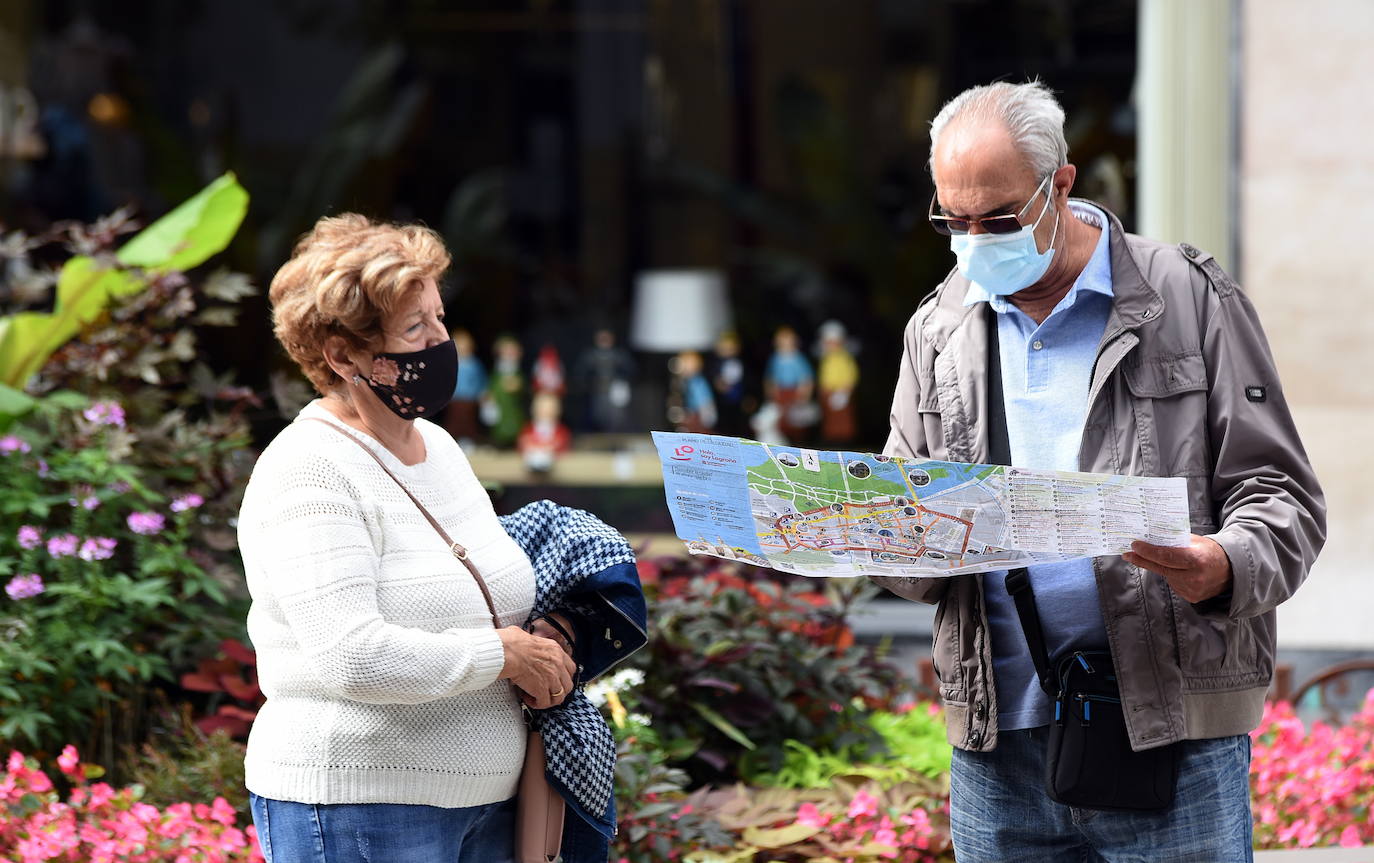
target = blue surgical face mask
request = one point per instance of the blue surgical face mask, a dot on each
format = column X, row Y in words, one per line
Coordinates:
column 1005, row 263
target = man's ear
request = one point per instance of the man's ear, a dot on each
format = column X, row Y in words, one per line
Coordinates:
column 1063, row 182
column 340, row 359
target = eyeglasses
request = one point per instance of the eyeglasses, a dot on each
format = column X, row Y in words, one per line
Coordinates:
column 1006, row 223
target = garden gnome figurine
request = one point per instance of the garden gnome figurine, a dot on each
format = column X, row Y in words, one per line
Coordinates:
column 837, row 377
column 727, row 380
column 544, row 437
column 504, row 407
column 461, row 415
column 604, row 375
column 788, row 384
column 548, row 372
column 693, row 406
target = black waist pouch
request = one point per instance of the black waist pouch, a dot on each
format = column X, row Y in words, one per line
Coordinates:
column 1089, row 762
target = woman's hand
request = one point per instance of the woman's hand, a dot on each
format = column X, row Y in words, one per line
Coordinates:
column 538, row 666
column 542, row 627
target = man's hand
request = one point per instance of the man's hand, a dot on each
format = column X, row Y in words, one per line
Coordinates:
column 1198, row 571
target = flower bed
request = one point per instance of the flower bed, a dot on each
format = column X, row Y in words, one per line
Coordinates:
column 1313, row 787
column 100, row 824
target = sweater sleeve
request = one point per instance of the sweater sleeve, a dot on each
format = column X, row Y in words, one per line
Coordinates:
column 316, row 556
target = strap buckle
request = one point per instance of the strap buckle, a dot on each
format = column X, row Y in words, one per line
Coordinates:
column 458, row 551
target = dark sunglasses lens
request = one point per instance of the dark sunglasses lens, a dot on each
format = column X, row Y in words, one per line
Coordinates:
column 947, row 226
column 1001, row 224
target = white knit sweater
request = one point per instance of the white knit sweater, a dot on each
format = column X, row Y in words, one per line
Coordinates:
column 375, row 648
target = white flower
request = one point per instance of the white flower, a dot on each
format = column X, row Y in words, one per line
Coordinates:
column 596, row 692
column 627, row 678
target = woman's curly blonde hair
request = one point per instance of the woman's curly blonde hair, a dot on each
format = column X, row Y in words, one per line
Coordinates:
column 342, row 279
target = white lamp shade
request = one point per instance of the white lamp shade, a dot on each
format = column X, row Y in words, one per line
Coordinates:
column 679, row 310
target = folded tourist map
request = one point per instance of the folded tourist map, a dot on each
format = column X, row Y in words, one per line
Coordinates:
column 833, row 514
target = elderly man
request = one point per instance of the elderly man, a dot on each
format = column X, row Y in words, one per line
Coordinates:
column 1078, row 346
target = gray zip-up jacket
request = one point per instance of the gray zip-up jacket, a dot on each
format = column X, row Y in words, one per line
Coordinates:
column 1184, row 385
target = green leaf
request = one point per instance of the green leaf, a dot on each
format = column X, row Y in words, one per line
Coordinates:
column 14, row 403
column 779, row 837
column 149, row 592
column 190, row 234
column 723, row 724
column 66, row 400
column 84, row 288
column 228, row 286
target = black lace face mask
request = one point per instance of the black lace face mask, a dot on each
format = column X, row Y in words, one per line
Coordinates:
column 417, row 383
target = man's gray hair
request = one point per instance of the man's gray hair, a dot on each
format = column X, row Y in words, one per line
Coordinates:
column 1028, row 111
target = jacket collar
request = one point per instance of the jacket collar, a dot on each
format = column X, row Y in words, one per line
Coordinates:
column 1135, row 301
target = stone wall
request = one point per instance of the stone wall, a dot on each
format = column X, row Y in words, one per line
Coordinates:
column 1307, row 260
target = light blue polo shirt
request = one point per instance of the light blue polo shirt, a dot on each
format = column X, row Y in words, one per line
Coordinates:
column 1046, row 374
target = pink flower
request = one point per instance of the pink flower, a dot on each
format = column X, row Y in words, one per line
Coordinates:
column 11, row 444
column 62, row 545
column 187, row 501
column 68, row 760
column 101, row 793
column 887, row 836
column 385, row 372
column 97, row 548
column 1350, row 837
column 810, row 816
column 863, row 804
column 222, row 812
column 29, row 537
column 105, row 414
column 146, row 523
column 24, row 586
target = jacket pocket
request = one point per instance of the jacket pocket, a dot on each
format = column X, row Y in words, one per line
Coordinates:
column 1169, row 400
column 1219, row 653
column 945, row 651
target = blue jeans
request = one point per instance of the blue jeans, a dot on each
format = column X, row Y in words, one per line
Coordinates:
column 999, row 810
column 384, row 832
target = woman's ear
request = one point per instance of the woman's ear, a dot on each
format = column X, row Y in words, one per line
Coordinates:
column 336, row 353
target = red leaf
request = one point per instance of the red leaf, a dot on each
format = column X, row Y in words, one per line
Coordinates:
column 237, row 651
column 236, row 687
column 211, row 724
column 198, row 682
column 235, row 712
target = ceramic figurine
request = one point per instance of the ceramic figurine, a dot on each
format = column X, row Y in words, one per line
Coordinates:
column 693, row 407
column 788, row 384
column 727, row 379
column 837, row 376
column 461, row 415
column 548, row 372
column 544, row 437
column 504, row 408
column 603, row 375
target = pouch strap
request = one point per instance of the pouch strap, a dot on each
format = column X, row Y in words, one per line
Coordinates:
column 1019, row 588
column 999, row 441
column 458, row 551
column 999, row 451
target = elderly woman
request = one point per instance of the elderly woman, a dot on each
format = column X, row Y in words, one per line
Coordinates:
column 389, row 599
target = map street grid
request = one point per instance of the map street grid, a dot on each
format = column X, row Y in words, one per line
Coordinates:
column 837, row 513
